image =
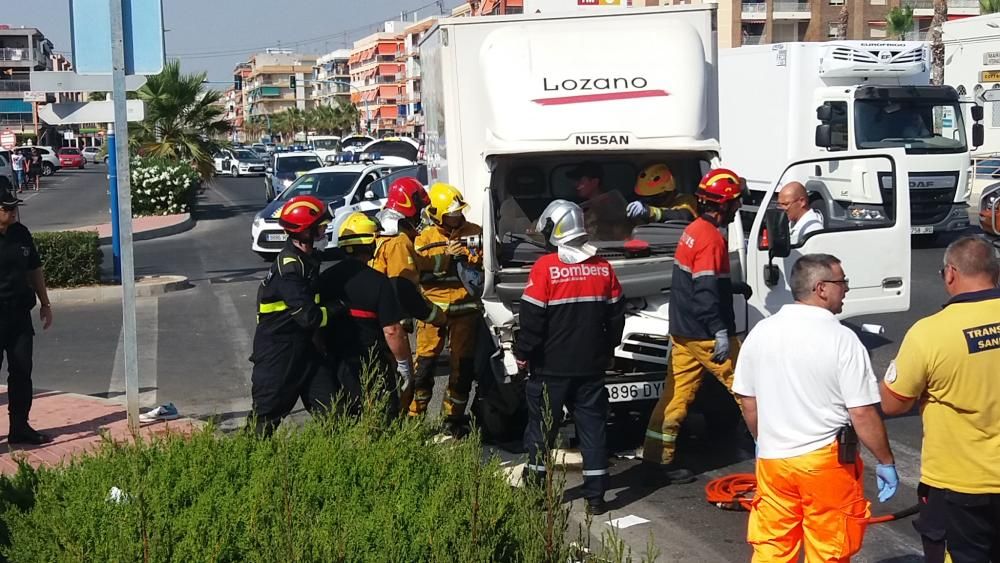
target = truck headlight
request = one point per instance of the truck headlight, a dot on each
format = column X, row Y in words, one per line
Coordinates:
column 861, row 213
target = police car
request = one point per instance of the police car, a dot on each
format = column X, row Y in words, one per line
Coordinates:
column 357, row 185
column 239, row 162
column 285, row 168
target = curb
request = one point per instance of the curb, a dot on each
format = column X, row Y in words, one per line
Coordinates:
column 186, row 224
column 150, row 286
column 194, row 422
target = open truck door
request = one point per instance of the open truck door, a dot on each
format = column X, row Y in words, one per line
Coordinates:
column 868, row 230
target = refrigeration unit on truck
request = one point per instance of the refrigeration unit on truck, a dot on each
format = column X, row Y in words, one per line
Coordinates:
column 514, row 103
column 791, row 101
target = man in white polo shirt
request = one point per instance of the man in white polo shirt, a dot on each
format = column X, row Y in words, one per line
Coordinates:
column 802, row 378
column 802, row 219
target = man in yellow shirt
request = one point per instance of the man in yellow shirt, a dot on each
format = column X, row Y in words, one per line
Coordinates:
column 949, row 364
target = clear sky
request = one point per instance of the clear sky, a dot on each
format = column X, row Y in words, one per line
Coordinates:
column 214, row 35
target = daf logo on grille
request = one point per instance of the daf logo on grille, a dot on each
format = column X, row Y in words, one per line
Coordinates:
column 884, row 56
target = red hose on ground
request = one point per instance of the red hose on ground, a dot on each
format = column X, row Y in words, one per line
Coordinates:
column 735, row 492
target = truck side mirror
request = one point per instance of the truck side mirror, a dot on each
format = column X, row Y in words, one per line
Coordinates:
column 779, row 236
column 977, row 112
column 978, row 135
column 824, row 136
column 824, row 113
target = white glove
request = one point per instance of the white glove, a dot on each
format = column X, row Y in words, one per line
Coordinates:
column 637, row 210
column 405, row 370
column 721, row 347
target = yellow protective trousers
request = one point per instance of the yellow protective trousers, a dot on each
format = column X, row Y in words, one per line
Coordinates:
column 811, row 500
column 461, row 334
column 688, row 359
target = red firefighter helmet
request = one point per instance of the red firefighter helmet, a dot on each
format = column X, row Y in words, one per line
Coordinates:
column 407, row 196
column 302, row 213
column 720, row 185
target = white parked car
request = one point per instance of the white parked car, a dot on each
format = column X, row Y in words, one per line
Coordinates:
column 341, row 187
column 239, row 162
column 284, row 168
column 92, row 154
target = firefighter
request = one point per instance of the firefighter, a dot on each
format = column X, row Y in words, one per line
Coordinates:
column 289, row 313
column 702, row 324
column 572, row 316
column 394, row 253
column 370, row 335
column 658, row 198
column 445, row 290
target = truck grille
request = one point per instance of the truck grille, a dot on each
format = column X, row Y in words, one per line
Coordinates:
column 927, row 206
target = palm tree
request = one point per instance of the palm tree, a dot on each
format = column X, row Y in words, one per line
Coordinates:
column 937, row 45
column 182, row 119
column 989, row 6
column 899, row 21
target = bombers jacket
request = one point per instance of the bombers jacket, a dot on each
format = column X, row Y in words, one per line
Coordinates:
column 701, row 293
column 396, row 257
column 443, row 286
column 571, row 317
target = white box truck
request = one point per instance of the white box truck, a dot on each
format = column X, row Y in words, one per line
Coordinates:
column 513, row 103
column 790, row 101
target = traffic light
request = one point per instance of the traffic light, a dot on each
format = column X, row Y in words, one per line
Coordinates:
column 291, row 81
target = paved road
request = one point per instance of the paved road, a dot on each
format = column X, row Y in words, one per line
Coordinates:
column 68, row 199
column 194, row 346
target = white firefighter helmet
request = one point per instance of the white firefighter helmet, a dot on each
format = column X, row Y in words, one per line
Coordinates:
column 562, row 225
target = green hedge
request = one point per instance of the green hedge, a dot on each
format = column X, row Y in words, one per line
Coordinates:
column 333, row 490
column 70, row 258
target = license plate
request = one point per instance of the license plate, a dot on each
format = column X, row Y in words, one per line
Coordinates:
column 275, row 237
column 922, row 230
column 638, row 391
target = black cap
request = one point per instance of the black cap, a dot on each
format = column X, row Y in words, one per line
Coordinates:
column 9, row 200
column 588, row 168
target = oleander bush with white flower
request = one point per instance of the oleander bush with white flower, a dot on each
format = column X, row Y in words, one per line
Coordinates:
column 162, row 187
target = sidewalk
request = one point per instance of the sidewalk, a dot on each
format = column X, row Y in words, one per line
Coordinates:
column 74, row 422
column 146, row 228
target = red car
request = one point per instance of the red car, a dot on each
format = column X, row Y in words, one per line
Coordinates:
column 71, row 158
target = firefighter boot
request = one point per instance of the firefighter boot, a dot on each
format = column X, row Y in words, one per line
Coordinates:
column 423, row 386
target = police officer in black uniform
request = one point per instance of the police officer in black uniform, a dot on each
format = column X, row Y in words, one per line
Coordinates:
column 289, row 311
column 370, row 334
column 21, row 280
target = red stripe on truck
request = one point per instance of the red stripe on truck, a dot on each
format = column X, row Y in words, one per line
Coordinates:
column 603, row 97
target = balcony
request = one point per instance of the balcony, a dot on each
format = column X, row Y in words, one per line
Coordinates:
column 791, row 10
column 955, row 7
column 15, row 55
column 756, row 11
column 15, row 85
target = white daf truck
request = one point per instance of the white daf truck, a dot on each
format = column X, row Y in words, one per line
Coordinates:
column 514, row 103
column 791, row 101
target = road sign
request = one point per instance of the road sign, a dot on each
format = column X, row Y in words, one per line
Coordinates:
column 8, row 139
column 34, row 96
column 90, row 29
column 68, row 135
column 88, row 112
column 991, row 95
column 68, row 81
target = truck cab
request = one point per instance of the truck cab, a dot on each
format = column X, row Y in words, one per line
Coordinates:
column 847, row 96
column 513, row 109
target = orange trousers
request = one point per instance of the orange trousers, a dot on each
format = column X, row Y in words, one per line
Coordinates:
column 809, row 500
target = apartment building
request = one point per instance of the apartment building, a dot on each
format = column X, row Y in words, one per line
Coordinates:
column 22, row 50
column 267, row 88
column 378, row 79
column 410, row 115
column 332, row 78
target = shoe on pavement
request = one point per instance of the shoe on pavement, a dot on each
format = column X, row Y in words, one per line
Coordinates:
column 673, row 473
column 28, row 435
column 456, row 427
column 162, row 412
column 596, row 506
